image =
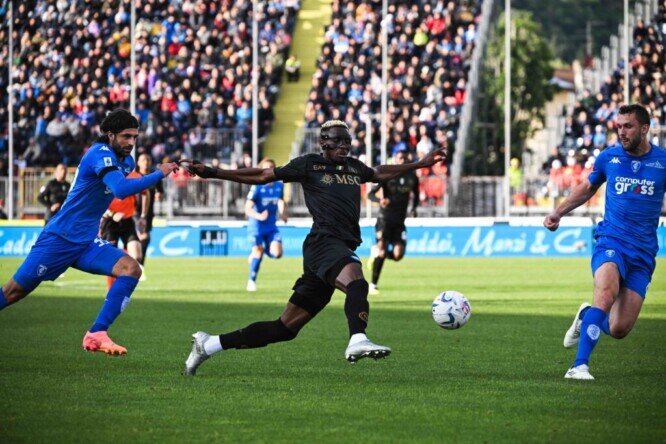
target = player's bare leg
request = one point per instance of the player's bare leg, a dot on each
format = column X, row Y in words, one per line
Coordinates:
column 135, row 250
column 398, row 252
column 276, row 250
column 353, row 284
column 624, row 313
column 12, row 292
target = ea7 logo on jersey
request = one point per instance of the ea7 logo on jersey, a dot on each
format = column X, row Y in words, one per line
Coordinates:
column 615, row 160
column 634, row 186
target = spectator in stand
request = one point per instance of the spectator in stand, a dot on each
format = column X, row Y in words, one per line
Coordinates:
column 293, row 69
column 73, row 66
column 647, row 65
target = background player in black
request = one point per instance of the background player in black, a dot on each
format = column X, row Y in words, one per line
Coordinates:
column 146, row 212
column 331, row 184
column 390, row 228
column 53, row 194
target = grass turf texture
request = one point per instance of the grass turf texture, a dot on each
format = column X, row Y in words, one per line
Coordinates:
column 499, row 379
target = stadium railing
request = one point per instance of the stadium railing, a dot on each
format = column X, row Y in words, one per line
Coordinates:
column 226, row 144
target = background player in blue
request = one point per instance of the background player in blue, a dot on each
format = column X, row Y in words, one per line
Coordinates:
column 626, row 240
column 70, row 238
column 263, row 204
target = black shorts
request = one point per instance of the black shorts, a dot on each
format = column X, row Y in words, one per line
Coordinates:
column 124, row 230
column 323, row 259
column 391, row 232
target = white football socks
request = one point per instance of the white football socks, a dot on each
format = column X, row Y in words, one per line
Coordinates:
column 212, row 345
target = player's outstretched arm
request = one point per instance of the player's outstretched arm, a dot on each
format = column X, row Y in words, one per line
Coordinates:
column 123, row 187
column 388, row 172
column 581, row 194
column 252, row 176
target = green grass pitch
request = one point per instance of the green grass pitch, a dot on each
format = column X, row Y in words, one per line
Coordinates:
column 498, row 379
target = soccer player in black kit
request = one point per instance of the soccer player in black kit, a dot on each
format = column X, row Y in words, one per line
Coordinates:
column 390, row 228
column 331, row 184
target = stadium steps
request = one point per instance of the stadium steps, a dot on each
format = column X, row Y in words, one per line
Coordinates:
column 290, row 107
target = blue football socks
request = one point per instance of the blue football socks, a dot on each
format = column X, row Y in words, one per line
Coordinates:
column 254, row 268
column 605, row 325
column 116, row 300
column 3, row 301
column 590, row 331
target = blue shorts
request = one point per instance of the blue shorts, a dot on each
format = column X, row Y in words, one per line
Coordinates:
column 265, row 238
column 52, row 255
column 635, row 266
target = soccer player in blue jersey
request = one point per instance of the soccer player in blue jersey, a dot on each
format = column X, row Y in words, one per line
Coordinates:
column 70, row 237
column 626, row 240
column 263, row 204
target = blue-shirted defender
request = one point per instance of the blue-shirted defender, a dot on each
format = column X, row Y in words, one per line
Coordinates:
column 263, row 205
column 626, row 240
column 70, row 237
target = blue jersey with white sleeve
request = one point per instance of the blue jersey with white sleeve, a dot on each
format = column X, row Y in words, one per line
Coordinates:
column 265, row 198
column 89, row 197
column 635, row 187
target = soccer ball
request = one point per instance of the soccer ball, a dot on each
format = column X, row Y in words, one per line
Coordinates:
column 451, row 310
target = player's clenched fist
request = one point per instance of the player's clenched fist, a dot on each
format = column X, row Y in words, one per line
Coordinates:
column 552, row 222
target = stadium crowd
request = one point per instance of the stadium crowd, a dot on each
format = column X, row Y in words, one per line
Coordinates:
column 429, row 51
column 193, row 70
column 589, row 127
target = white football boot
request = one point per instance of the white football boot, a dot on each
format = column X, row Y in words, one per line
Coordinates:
column 197, row 355
column 251, row 285
column 580, row 372
column 573, row 334
column 366, row 349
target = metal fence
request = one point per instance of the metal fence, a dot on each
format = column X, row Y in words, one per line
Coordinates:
column 226, row 145
column 194, row 198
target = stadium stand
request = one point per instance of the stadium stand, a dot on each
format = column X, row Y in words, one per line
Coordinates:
column 430, row 47
column 589, row 125
column 193, row 74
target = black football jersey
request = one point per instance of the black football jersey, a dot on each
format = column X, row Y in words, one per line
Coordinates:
column 332, row 193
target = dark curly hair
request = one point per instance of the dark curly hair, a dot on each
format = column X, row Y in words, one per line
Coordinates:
column 118, row 120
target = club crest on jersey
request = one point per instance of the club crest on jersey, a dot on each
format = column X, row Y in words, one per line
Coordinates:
column 327, row 179
column 635, row 165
